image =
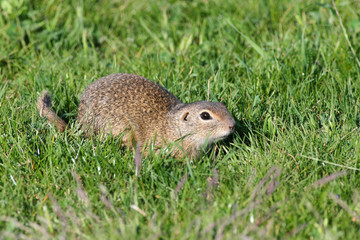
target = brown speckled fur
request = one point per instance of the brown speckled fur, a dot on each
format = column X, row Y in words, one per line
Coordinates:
column 144, row 111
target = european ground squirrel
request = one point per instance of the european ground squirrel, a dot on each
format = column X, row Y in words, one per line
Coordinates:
column 144, row 112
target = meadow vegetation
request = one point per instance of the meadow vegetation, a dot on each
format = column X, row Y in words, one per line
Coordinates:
column 288, row 71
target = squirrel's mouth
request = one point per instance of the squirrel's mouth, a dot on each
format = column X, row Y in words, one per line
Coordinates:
column 218, row 138
column 224, row 135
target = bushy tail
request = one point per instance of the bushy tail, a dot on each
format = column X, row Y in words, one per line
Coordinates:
column 44, row 107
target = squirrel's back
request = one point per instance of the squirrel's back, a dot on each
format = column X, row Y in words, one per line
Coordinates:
column 122, row 100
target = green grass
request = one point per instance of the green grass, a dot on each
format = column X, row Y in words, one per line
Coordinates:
column 284, row 70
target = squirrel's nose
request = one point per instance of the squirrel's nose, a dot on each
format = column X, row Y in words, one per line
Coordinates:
column 232, row 127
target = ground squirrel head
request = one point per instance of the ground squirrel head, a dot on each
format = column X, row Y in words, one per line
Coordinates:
column 201, row 123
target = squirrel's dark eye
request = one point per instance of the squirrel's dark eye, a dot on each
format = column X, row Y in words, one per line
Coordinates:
column 205, row 116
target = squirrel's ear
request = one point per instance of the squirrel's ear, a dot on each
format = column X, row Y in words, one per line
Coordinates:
column 184, row 116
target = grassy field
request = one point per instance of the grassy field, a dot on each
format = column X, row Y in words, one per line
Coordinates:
column 286, row 70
